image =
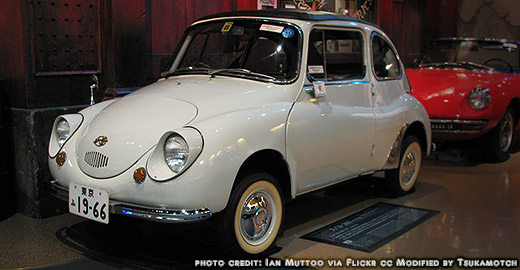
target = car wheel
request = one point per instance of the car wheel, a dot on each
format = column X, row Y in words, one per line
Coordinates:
column 401, row 180
column 498, row 142
column 254, row 215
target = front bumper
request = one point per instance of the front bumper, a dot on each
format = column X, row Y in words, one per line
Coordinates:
column 455, row 126
column 139, row 211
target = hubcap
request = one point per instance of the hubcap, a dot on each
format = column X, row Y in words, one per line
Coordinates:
column 506, row 132
column 408, row 167
column 256, row 217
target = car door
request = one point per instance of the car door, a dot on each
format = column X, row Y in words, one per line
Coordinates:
column 330, row 133
column 389, row 80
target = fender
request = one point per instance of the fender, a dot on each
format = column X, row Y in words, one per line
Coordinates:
column 228, row 144
column 392, row 162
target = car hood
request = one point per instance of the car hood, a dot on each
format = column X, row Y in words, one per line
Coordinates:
column 129, row 127
column 134, row 124
column 217, row 95
column 443, row 92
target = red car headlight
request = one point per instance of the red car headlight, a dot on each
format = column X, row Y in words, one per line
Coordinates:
column 479, row 98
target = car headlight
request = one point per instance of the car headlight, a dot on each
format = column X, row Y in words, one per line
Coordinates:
column 62, row 132
column 63, row 129
column 479, row 98
column 176, row 152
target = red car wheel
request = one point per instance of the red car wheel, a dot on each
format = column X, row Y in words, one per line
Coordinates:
column 498, row 142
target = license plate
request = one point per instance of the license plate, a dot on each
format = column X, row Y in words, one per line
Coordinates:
column 88, row 202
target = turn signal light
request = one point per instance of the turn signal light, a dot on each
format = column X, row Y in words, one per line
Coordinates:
column 61, row 158
column 139, row 175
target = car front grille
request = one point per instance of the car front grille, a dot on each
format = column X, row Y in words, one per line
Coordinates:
column 457, row 126
column 96, row 159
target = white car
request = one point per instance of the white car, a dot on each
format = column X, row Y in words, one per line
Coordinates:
column 257, row 107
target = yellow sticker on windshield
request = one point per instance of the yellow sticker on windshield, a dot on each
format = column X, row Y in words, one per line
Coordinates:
column 227, row 26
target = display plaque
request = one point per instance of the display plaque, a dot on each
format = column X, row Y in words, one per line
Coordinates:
column 371, row 228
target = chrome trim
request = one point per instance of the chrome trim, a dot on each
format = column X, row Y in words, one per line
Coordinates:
column 506, row 132
column 160, row 214
column 256, row 217
column 497, row 40
column 100, row 141
column 163, row 215
column 409, row 167
column 56, row 121
column 473, row 126
column 93, row 88
column 392, row 161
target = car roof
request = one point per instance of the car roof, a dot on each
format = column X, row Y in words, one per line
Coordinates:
column 289, row 13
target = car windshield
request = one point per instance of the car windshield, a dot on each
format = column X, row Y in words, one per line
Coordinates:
column 252, row 49
column 492, row 55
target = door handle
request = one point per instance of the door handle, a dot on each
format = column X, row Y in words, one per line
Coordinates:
column 310, row 90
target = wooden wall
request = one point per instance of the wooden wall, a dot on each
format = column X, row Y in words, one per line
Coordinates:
column 129, row 31
column 11, row 53
column 53, row 47
column 49, row 48
column 412, row 24
column 134, row 40
column 167, row 20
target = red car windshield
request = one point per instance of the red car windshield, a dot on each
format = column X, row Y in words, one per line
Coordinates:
column 498, row 56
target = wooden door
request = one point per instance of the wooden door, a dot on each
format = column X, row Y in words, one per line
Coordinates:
column 67, row 43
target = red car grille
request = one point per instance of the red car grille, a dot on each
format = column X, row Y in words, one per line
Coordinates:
column 457, row 126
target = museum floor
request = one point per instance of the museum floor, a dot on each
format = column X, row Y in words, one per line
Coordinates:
column 479, row 217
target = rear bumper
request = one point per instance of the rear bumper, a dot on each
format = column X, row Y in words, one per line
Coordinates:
column 163, row 215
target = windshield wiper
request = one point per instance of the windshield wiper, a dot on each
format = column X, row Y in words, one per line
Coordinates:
column 240, row 71
column 223, row 71
column 465, row 65
column 476, row 66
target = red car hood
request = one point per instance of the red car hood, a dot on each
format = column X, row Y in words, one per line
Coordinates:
column 444, row 92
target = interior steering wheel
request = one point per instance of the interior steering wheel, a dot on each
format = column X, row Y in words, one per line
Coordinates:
column 510, row 68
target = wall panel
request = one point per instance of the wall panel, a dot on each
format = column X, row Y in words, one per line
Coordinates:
column 413, row 23
column 168, row 20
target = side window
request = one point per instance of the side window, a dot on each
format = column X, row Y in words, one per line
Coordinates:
column 335, row 55
column 386, row 65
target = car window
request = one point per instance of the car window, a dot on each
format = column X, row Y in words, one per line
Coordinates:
column 218, row 51
column 241, row 48
column 386, row 64
column 268, row 57
column 335, row 54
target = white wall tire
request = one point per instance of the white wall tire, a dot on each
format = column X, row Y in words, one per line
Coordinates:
column 402, row 180
column 254, row 216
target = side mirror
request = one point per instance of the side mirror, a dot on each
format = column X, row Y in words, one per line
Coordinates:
column 93, row 88
column 415, row 62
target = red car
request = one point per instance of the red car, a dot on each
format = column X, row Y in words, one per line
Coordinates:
column 470, row 89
